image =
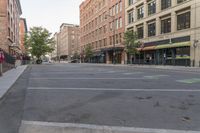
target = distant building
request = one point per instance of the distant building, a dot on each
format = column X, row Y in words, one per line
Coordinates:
column 54, row 54
column 67, row 41
column 169, row 30
column 10, row 11
column 102, row 25
column 22, row 32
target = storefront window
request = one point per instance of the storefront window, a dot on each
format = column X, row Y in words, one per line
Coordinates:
column 181, row 52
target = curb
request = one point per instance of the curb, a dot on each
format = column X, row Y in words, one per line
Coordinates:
column 50, row 127
column 9, row 78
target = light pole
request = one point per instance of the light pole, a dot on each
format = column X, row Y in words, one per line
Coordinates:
column 195, row 46
column 113, row 29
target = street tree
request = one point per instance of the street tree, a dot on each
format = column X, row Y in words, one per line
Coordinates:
column 88, row 53
column 131, row 44
column 38, row 42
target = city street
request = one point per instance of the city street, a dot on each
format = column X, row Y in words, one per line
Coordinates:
column 107, row 95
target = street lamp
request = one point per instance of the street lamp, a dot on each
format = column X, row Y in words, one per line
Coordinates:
column 113, row 28
column 195, row 46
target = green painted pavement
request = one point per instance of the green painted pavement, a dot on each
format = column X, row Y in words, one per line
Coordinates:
column 155, row 76
column 190, row 81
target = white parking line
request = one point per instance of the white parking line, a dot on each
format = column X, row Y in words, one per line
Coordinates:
column 51, row 127
column 115, row 89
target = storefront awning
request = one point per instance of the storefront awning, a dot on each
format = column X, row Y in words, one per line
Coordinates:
column 173, row 45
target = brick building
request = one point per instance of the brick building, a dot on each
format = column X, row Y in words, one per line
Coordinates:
column 168, row 29
column 22, row 32
column 102, row 26
column 67, row 41
column 10, row 11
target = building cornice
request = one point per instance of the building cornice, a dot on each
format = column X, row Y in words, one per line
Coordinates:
column 19, row 6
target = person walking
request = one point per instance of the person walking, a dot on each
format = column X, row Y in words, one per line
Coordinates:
column 2, row 57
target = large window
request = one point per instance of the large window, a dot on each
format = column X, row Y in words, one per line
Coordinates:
column 151, row 7
column 140, row 12
column 180, row 1
column 165, row 4
column 152, row 29
column 182, row 52
column 140, row 32
column 183, row 21
column 166, row 25
column 130, row 17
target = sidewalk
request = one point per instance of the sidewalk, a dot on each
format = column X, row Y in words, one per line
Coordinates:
column 9, row 78
column 178, row 68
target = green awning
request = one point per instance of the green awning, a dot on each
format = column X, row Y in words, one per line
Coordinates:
column 173, row 45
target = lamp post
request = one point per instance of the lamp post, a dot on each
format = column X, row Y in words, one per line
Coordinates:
column 113, row 29
column 195, row 46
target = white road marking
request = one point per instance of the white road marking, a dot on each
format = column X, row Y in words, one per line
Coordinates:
column 102, row 72
column 50, row 127
column 102, row 78
column 86, row 78
column 133, row 73
column 115, row 89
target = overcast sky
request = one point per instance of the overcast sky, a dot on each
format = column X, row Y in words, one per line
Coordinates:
column 50, row 13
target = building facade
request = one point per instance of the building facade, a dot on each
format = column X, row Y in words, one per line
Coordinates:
column 10, row 11
column 67, row 41
column 102, row 26
column 168, row 30
column 22, row 32
column 54, row 54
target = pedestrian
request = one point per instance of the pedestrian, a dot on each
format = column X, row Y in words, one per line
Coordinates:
column 1, row 62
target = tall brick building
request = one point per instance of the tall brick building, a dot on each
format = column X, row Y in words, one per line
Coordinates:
column 23, row 30
column 10, row 11
column 102, row 26
column 67, row 41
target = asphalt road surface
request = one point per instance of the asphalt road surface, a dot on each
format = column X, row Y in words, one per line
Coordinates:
column 113, row 96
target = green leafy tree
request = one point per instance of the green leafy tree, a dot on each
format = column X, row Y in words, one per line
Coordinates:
column 38, row 42
column 88, row 53
column 131, row 44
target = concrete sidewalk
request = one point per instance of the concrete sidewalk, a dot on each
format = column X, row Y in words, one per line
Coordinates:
column 9, row 78
column 164, row 67
column 50, row 127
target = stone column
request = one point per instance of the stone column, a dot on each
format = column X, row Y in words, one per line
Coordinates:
column 173, row 22
column 158, row 6
column 145, row 9
column 173, row 3
column 124, row 57
column 145, row 30
column 108, row 58
column 158, row 26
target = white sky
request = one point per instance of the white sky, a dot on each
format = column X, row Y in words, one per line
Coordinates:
column 50, row 13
